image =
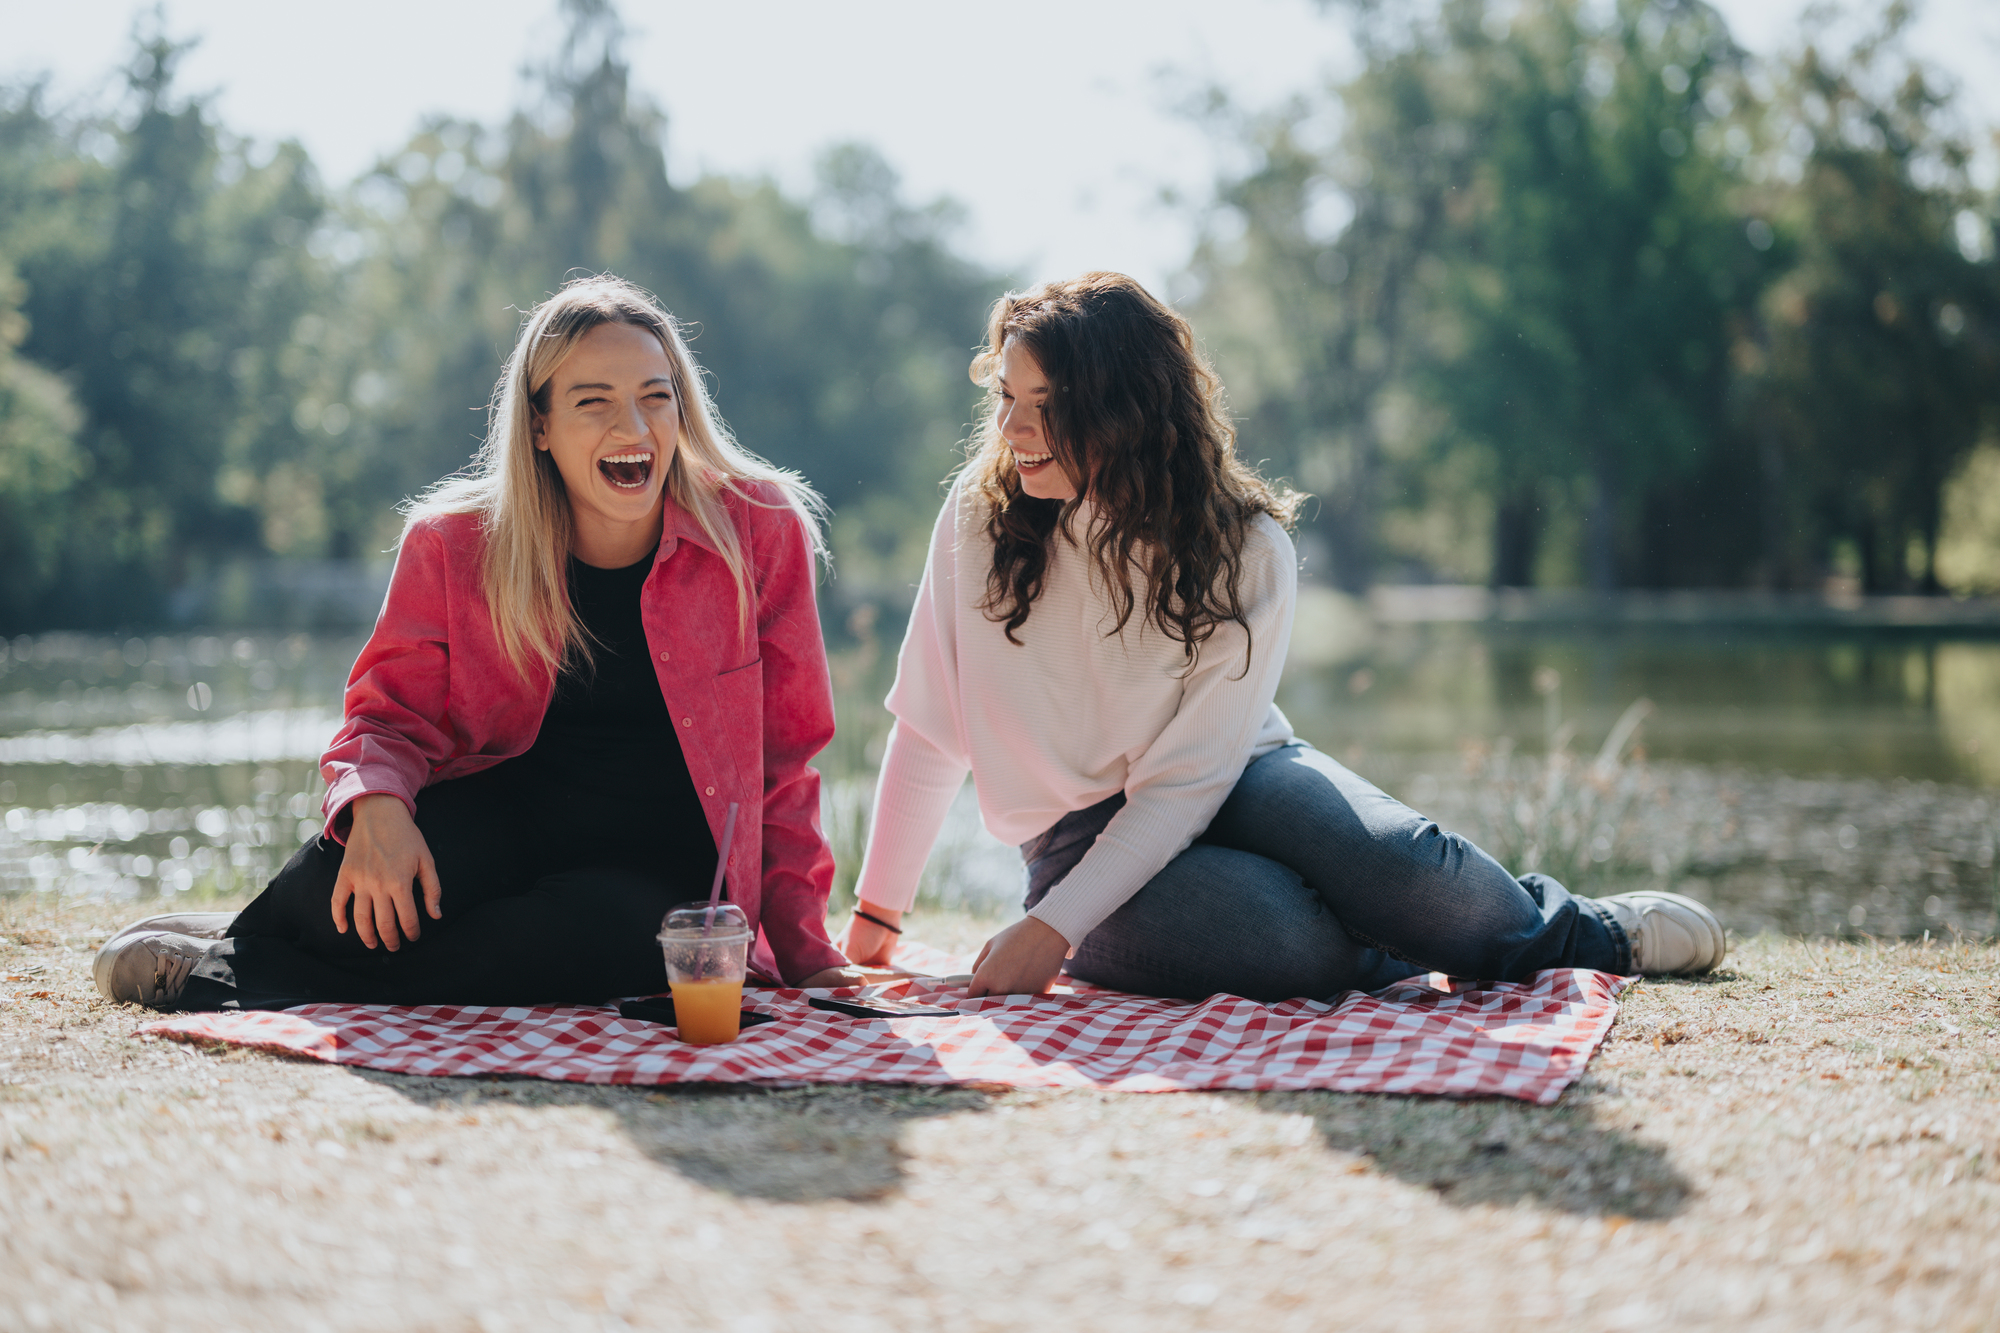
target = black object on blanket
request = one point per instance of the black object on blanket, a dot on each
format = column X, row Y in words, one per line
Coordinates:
column 880, row 1008
column 660, row 1009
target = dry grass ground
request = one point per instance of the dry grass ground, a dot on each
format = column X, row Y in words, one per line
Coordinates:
column 1809, row 1139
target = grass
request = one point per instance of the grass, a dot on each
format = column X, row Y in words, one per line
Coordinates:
column 1809, row 1138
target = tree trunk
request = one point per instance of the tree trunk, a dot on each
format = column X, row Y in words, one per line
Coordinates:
column 1517, row 521
column 1778, row 565
column 1601, row 541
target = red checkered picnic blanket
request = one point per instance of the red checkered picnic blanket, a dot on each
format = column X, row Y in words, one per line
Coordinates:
column 1528, row 1040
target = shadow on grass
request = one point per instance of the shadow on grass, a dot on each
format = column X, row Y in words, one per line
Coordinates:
column 1498, row 1152
column 797, row 1145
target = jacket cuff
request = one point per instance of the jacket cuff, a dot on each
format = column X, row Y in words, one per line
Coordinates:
column 804, row 959
column 346, row 792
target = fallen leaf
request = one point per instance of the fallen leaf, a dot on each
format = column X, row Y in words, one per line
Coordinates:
column 1832, row 1076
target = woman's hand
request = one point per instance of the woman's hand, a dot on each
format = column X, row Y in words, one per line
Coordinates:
column 385, row 856
column 1023, row 959
column 865, row 942
column 841, row 976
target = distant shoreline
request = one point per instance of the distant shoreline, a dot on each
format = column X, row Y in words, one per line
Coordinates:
column 1419, row 604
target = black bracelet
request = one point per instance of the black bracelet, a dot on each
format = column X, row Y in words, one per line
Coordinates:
column 870, row 916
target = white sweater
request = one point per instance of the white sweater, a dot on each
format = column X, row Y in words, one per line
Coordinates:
column 1071, row 715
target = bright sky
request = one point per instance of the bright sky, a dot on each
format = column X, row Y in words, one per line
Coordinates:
column 1057, row 123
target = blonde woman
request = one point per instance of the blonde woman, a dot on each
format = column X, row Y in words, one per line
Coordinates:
column 595, row 640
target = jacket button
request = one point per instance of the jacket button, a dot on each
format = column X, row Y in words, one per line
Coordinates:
column 711, row 791
column 665, row 656
column 687, row 721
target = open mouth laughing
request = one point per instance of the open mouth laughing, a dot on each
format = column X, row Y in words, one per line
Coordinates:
column 627, row 471
column 1029, row 464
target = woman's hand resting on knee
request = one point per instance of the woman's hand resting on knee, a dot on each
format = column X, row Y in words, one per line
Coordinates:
column 386, row 855
column 1023, row 959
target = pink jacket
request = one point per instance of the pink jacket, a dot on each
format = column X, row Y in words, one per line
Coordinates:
column 432, row 697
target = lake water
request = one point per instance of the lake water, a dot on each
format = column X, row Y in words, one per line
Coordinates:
column 1834, row 784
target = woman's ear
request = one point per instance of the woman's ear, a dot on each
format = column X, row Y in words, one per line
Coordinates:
column 538, row 429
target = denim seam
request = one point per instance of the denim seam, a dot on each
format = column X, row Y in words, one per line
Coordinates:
column 1621, row 943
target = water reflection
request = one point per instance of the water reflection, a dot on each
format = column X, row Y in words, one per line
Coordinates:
column 1808, row 784
column 1804, row 783
column 174, row 764
column 1879, row 707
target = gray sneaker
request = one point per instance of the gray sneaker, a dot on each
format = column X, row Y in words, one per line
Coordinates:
column 1671, row 935
column 200, row 925
column 148, row 967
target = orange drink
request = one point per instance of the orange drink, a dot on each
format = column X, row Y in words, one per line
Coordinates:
column 709, row 1011
column 706, row 949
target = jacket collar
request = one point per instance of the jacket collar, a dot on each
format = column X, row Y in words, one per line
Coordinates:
column 678, row 525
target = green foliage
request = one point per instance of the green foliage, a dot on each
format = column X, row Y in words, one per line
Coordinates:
column 1558, row 313
column 258, row 369
column 836, row 335
column 160, row 262
column 1874, row 363
column 1555, row 292
column 39, row 460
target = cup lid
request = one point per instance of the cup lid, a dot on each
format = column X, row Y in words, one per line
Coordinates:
column 692, row 920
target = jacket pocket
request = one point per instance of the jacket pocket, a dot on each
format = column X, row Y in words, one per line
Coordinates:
column 739, row 704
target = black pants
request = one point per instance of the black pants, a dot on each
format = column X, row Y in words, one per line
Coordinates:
column 530, row 916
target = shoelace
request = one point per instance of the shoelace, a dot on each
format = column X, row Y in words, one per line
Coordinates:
column 170, row 974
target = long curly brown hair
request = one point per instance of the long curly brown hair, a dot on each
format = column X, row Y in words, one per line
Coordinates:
column 1134, row 416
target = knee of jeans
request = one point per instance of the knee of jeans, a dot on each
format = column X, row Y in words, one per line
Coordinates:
column 1298, row 964
column 1220, row 920
column 1538, row 886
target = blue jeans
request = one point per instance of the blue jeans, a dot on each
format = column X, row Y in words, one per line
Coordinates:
column 1310, row 881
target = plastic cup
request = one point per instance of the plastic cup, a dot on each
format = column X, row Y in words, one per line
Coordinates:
column 705, row 960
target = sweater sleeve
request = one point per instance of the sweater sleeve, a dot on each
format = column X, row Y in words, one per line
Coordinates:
column 912, row 797
column 1175, row 788
column 925, row 763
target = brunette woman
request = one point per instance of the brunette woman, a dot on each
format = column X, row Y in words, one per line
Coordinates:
column 595, row 641
column 1098, row 639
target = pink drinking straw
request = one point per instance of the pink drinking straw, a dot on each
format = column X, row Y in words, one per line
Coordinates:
column 721, row 865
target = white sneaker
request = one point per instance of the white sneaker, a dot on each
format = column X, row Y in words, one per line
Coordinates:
column 147, row 967
column 1671, row 935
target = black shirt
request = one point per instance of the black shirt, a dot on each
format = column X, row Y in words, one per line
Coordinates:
column 606, row 774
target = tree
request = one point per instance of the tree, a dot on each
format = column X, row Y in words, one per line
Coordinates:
column 39, row 463
column 1583, row 314
column 163, row 278
column 836, row 334
column 1315, row 330
column 1875, row 360
column 1543, row 285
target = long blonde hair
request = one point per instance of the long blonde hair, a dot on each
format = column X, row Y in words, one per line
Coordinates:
column 524, row 507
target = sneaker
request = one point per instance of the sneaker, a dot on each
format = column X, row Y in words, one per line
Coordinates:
column 147, row 967
column 200, row 925
column 1671, row 935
